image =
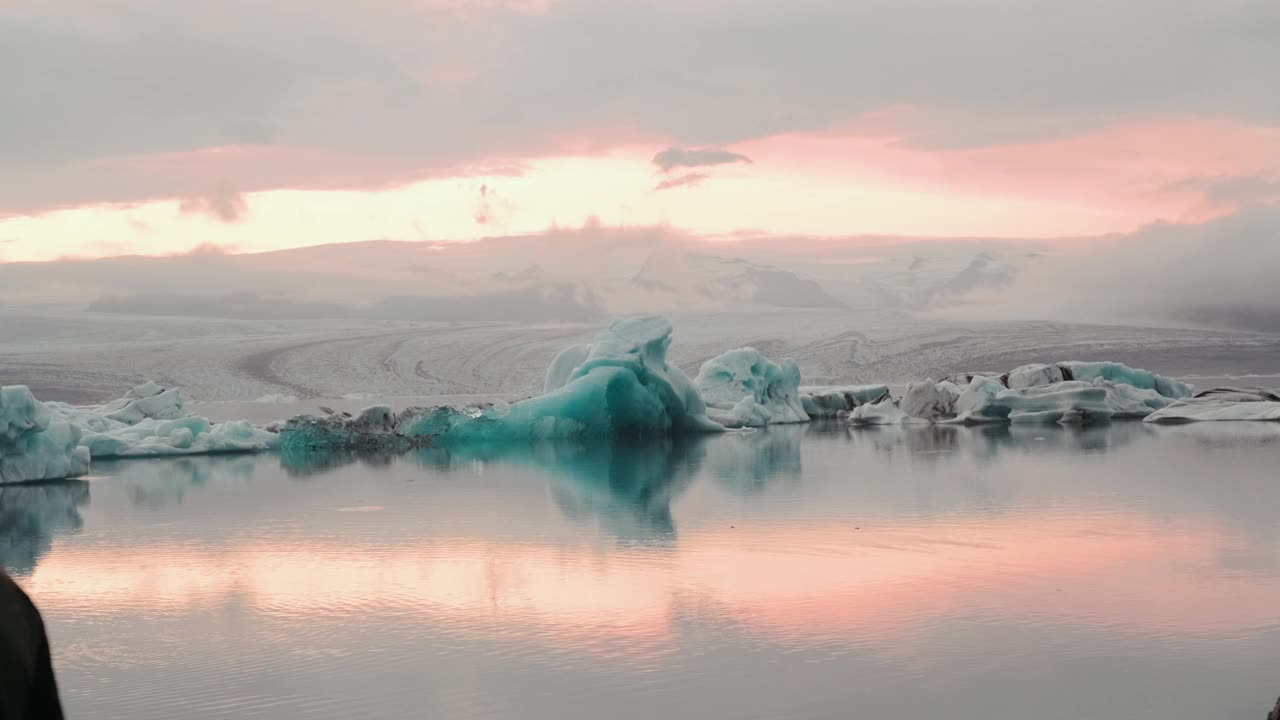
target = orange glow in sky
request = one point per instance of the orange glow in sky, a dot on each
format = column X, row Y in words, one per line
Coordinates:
column 833, row 183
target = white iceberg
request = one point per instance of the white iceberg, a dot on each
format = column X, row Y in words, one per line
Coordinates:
column 151, row 421
column 828, row 401
column 1222, row 404
column 742, row 388
column 48, row 441
column 33, row 445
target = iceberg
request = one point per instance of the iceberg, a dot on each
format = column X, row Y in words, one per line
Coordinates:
column 1067, row 402
column 931, row 400
column 1222, row 404
column 620, row 387
column 49, row 441
column 1065, row 392
column 1124, row 375
column 742, row 388
column 151, row 421
column 883, row 412
column 830, row 401
column 34, row 445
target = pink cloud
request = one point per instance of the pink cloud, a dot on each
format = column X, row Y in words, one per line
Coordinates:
column 1132, row 168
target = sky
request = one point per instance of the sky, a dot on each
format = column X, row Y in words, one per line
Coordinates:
column 155, row 127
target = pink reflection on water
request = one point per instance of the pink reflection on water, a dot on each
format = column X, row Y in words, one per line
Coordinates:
column 827, row 583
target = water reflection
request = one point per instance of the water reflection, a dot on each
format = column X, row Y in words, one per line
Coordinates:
column 890, row 569
column 746, row 463
column 31, row 514
column 987, row 443
column 160, row 482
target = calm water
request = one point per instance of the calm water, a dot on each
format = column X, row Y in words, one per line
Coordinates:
column 808, row 572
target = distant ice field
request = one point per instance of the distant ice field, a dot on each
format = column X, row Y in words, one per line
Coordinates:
column 269, row 369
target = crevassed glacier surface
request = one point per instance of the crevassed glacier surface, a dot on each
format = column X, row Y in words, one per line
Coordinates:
column 743, row 388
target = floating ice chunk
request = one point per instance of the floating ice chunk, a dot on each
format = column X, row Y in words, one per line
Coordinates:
column 150, row 421
column 1222, row 404
column 978, row 402
column 620, row 386
column 830, row 401
column 743, row 388
column 1070, row 401
column 49, row 454
column 184, row 436
column 963, row 379
column 931, row 401
column 1123, row 374
column 1034, row 376
column 20, row 413
column 883, row 412
column 373, row 429
column 32, row 445
column 143, row 403
column 563, row 365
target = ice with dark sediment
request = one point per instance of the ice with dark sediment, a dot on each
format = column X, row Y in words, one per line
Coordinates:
column 1222, row 404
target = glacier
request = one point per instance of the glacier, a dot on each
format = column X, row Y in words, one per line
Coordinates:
column 743, row 388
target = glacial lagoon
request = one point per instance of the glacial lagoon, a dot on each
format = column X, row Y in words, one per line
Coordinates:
column 1122, row 571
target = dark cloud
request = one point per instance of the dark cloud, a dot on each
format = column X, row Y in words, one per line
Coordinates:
column 693, row 179
column 223, row 204
column 401, row 89
column 678, row 157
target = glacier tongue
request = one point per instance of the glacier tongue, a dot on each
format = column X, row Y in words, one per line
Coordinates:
column 743, row 388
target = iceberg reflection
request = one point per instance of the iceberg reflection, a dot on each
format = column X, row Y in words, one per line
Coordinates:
column 31, row 514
